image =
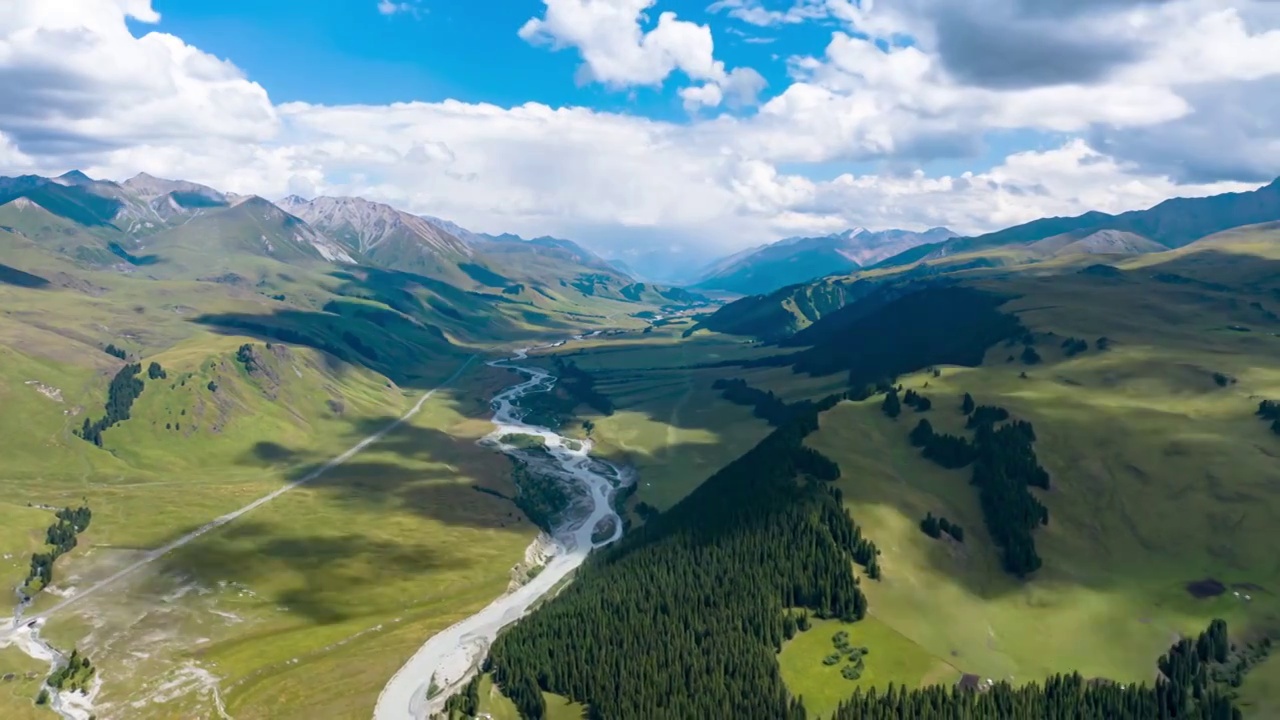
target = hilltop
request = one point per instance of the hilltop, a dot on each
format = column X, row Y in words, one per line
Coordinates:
column 800, row 259
column 1167, row 225
column 1059, row 465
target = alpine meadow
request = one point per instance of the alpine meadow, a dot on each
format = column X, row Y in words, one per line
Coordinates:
column 639, row 360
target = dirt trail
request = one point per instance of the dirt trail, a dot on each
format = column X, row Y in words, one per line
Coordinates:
column 24, row 631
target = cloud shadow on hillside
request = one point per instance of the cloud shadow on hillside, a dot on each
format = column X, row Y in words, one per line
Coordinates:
column 354, row 341
column 19, row 278
column 332, row 567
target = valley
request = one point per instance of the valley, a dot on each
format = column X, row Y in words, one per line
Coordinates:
column 328, row 482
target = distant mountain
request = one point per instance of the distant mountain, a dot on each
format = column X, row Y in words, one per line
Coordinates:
column 509, row 247
column 675, row 264
column 1170, row 224
column 179, row 229
column 245, row 226
column 785, row 311
column 800, row 259
column 100, row 222
column 387, row 237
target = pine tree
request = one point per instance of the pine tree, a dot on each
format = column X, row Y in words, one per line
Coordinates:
column 922, row 433
column 967, row 405
column 892, row 406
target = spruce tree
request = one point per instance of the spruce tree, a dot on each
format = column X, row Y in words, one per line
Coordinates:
column 892, row 406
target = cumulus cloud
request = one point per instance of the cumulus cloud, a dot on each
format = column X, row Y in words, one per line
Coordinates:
column 1192, row 112
column 1027, row 185
column 75, row 81
column 619, row 52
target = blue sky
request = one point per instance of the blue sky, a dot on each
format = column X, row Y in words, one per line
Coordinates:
column 975, row 115
column 347, row 52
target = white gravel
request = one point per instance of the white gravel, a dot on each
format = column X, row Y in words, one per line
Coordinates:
column 453, row 655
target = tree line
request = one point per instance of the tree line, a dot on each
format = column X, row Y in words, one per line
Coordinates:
column 466, row 702
column 574, row 386
column 892, row 405
column 61, row 537
column 949, row 451
column 125, row 387
column 540, row 497
column 1196, row 682
column 768, row 407
column 75, row 675
column 1270, row 410
column 683, row 618
column 934, row 527
column 581, row 386
column 1074, row 346
column 1004, row 467
column 918, row 402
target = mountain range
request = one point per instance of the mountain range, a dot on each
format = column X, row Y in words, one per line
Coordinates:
column 799, row 259
column 1171, row 224
column 1192, row 231
column 175, row 228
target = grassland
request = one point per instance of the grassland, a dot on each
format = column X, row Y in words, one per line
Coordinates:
column 307, row 604
column 893, row 659
column 20, row 681
column 669, row 424
column 1161, row 478
column 1260, row 695
column 310, row 602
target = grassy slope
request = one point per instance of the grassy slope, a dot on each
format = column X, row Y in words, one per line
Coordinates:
column 1260, row 694
column 315, row 598
column 17, row 696
column 1161, row 478
column 892, row 660
column 668, row 423
column 364, row 547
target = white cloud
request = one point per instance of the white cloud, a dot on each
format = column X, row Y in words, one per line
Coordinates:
column 755, row 12
column 82, row 91
column 618, row 52
column 698, row 96
column 404, row 7
column 75, row 80
column 1064, row 181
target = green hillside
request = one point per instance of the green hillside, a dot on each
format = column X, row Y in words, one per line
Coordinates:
column 250, row 361
column 1141, row 376
column 1170, row 224
column 1100, row 442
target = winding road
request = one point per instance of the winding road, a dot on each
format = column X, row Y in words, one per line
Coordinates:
column 452, row 657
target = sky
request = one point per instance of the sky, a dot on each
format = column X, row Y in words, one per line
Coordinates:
column 657, row 126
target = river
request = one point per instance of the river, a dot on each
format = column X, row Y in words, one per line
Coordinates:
column 451, row 657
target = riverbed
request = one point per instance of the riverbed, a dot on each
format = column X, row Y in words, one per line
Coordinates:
column 450, row 658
